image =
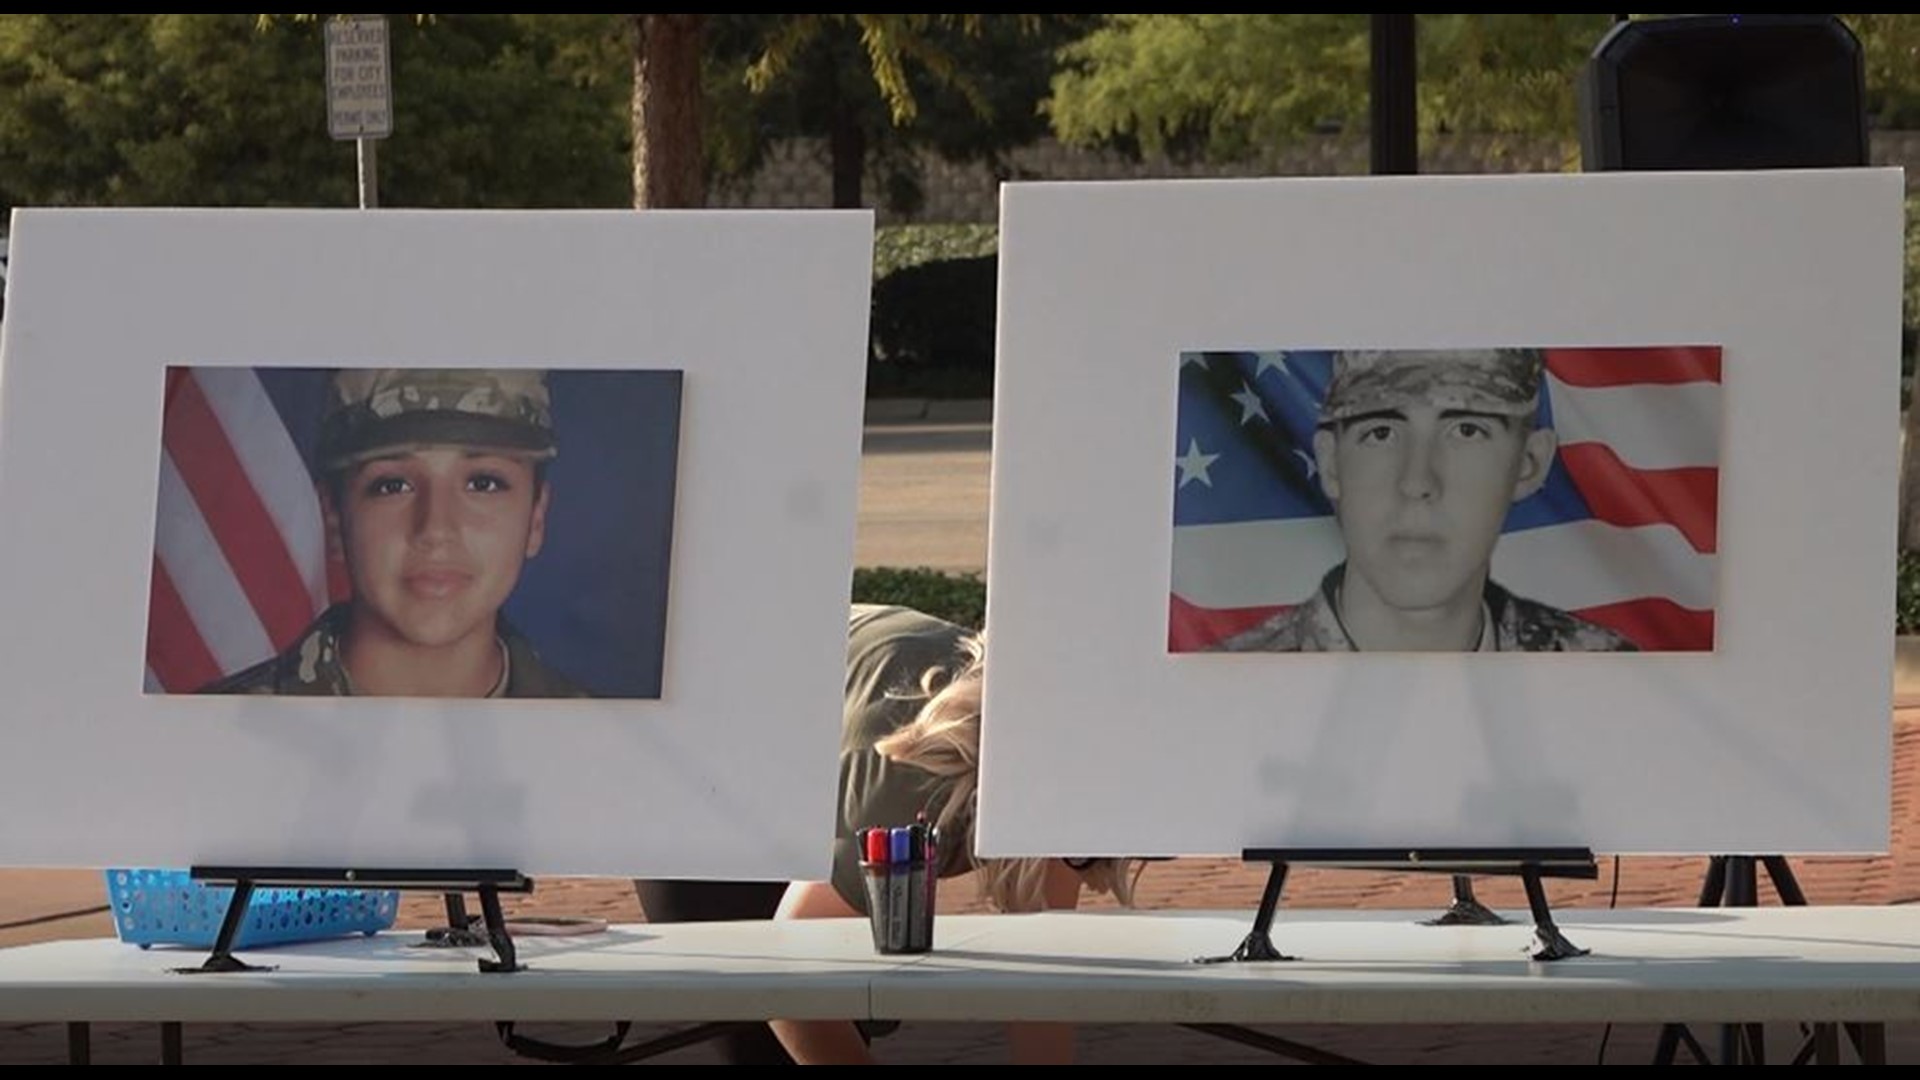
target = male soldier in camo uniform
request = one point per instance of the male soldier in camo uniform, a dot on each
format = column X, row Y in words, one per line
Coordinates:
column 433, row 487
column 1422, row 452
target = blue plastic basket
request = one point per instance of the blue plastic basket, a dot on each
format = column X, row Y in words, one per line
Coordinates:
column 168, row 907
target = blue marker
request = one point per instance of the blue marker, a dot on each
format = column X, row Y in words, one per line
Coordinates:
column 899, row 888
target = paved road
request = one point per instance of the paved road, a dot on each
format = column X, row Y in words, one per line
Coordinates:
column 923, row 495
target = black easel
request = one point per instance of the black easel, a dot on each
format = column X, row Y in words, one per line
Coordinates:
column 1531, row 865
column 460, row 929
column 488, row 929
column 1734, row 881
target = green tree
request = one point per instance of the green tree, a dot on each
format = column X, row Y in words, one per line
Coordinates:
column 1890, row 51
column 968, row 88
column 489, row 110
column 131, row 109
column 673, row 90
column 1229, row 86
column 507, row 111
column 1504, row 74
column 230, row 110
column 1240, row 87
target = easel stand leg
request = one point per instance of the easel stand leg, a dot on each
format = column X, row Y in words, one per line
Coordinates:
column 1672, row 1037
column 489, row 931
column 1466, row 909
column 1730, row 882
column 457, row 917
column 1734, row 881
column 222, row 960
column 1714, row 888
column 1743, row 882
column 1870, row 1042
column 497, row 933
column 1548, row 942
column 460, row 931
column 1258, row 944
column 1273, row 1044
column 1783, row 880
column 79, row 1043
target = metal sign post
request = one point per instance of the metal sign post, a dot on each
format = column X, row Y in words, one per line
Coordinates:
column 360, row 92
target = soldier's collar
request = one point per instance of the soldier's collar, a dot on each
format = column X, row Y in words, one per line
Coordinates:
column 506, row 669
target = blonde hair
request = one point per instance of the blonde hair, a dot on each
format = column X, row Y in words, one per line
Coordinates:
column 944, row 739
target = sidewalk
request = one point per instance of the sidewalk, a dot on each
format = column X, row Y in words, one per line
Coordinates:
column 923, row 485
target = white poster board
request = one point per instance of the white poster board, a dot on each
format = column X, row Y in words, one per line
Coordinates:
column 1768, row 734
column 751, row 326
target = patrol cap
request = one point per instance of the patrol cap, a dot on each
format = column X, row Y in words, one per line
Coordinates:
column 372, row 412
column 1504, row 382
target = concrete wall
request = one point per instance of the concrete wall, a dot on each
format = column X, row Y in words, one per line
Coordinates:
column 796, row 172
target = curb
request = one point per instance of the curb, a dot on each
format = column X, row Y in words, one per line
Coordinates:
column 937, row 411
column 895, row 410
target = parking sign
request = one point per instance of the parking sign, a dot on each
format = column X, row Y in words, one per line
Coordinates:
column 359, row 91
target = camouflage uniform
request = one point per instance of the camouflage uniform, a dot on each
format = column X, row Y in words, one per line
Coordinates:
column 1503, row 382
column 378, row 411
column 311, row 667
column 1497, row 382
column 373, row 412
column 1513, row 624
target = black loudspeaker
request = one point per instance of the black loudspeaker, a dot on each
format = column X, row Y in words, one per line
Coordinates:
column 1725, row 92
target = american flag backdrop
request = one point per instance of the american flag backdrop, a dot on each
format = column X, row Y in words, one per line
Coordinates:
column 240, row 565
column 1622, row 533
column 240, row 560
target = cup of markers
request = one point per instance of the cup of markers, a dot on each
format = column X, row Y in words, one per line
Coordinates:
column 901, row 869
